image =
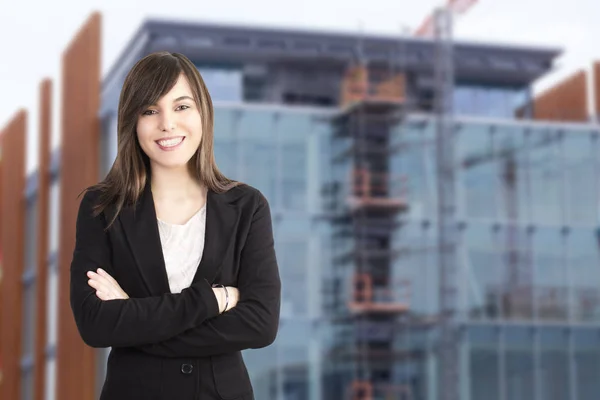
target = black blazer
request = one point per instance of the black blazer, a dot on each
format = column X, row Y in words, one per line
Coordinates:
column 177, row 346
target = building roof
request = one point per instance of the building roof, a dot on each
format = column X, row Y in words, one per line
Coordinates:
column 239, row 44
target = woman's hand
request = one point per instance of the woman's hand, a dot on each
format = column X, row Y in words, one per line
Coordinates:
column 232, row 292
column 106, row 286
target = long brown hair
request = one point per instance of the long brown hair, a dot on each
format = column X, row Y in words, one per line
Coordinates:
column 151, row 78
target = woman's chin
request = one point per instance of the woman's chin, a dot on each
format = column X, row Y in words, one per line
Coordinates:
column 169, row 164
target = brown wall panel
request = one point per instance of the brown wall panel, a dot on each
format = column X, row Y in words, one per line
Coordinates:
column 596, row 88
column 45, row 112
column 12, row 225
column 79, row 169
column 566, row 101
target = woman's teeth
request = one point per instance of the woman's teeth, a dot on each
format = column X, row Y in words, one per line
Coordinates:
column 170, row 142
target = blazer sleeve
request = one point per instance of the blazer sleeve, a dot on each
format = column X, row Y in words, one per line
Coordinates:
column 133, row 321
column 254, row 322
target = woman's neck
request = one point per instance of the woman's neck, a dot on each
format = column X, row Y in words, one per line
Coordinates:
column 174, row 185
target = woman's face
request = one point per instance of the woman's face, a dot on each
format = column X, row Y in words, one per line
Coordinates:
column 169, row 131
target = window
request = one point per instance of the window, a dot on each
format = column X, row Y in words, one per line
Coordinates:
column 108, row 144
column 478, row 175
column 31, row 216
column 485, row 270
column 294, row 131
column 485, row 101
column 29, row 319
column 54, row 217
column 27, row 382
column 223, row 84
column 294, row 168
column 257, row 138
column 519, row 364
column 580, row 152
column 50, row 384
column 550, row 276
column 545, row 177
column 226, row 148
column 52, row 306
column 101, row 365
column 584, row 274
column 587, row 362
column 484, row 363
column 554, row 364
column 292, row 255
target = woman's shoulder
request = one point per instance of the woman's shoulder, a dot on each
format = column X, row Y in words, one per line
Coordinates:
column 94, row 201
column 89, row 196
column 245, row 193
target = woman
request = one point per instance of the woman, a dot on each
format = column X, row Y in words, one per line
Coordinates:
column 174, row 264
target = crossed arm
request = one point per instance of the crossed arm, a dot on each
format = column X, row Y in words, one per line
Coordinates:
column 183, row 324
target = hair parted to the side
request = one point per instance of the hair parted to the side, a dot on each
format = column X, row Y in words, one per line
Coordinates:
column 148, row 80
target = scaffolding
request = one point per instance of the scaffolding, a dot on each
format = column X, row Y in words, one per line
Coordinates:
column 365, row 201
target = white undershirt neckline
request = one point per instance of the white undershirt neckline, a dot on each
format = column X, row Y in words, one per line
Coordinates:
column 182, row 248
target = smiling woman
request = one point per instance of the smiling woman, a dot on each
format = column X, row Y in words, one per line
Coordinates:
column 164, row 106
column 174, row 264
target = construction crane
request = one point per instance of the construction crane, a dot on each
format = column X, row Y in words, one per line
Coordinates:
column 456, row 7
column 439, row 25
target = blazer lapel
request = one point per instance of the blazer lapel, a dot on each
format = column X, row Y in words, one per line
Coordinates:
column 221, row 222
column 141, row 231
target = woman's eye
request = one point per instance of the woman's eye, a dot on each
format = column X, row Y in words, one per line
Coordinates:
column 150, row 112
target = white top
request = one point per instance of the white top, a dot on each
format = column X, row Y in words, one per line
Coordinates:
column 182, row 247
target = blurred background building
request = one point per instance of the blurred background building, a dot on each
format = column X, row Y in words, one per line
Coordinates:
column 435, row 223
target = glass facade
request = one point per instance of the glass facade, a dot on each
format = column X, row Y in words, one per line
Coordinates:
column 280, row 151
column 224, row 84
column 489, row 101
column 528, row 255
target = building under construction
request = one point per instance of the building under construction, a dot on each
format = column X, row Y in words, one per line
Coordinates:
column 426, row 252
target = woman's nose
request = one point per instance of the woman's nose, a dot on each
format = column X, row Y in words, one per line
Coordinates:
column 167, row 123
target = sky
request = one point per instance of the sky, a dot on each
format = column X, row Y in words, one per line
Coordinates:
column 34, row 34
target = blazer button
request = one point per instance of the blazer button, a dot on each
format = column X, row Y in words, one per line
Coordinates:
column 187, row 368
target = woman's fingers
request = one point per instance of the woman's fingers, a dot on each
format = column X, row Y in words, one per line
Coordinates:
column 112, row 287
column 105, row 274
column 106, row 287
column 101, row 285
column 119, row 291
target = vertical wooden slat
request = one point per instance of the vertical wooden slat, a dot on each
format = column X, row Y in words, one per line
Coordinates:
column 12, row 225
column 596, row 88
column 42, row 237
column 79, row 169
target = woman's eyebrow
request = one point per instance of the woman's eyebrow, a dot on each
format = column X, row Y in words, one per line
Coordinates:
column 182, row 98
column 177, row 99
